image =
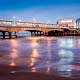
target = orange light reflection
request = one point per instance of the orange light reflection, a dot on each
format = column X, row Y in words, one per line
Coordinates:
column 49, row 54
column 14, row 52
column 33, row 59
column 34, row 42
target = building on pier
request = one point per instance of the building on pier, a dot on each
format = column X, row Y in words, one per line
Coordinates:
column 26, row 24
column 67, row 23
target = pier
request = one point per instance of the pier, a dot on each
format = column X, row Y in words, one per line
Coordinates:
column 37, row 29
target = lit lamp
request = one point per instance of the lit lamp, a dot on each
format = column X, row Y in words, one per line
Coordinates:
column 14, row 21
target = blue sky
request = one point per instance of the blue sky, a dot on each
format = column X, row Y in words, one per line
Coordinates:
column 48, row 11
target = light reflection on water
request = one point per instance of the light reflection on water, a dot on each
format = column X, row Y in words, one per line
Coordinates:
column 34, row 55
column 49, row 54
column 66, row 56
column 69, row 43
column 14, row 52
column 59, row 55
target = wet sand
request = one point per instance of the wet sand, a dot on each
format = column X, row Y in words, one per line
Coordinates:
column 46, row 58
column 31, row 76
column 13, row 73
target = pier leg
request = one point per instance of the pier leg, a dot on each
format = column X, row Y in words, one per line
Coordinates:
column 15, row 34
column 31, row 33
column 3, row 34
column 9, row 35
column 45, row 34
column 34, row 33
column 37, row 33
column 40, row 33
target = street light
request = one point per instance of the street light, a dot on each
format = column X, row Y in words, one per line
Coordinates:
column 14, row 21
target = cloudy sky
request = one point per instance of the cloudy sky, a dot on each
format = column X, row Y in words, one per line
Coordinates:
column 48, row 11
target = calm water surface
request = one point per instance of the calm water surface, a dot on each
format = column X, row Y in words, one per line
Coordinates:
column 50, row 55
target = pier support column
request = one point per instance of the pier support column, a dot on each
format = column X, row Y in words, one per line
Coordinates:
column 10, row 35
column 3, row 34
column 37, row 33
column 40, row 33
column 15, row 34
column 31, row 33
column 45, row 33
column 34, row 33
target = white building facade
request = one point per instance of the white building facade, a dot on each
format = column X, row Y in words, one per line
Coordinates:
column 67, row 23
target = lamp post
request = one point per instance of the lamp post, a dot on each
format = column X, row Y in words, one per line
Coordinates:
column 14, row 21
column 14, row 24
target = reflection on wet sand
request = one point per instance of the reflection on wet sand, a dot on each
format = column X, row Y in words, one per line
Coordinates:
column 33, row 58
column 34, row 54
column 69, row 43
column 66, row 59
column 34, row 42
column 49, row 54
column 14, row 52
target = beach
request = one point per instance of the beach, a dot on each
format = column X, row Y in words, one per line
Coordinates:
column 40, row 58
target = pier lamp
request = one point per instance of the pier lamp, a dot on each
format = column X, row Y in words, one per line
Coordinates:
column 14, row 21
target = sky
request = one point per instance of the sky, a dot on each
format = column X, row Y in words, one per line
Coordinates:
column 48, row 11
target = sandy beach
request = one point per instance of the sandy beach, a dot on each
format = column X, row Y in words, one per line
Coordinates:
column 29, row 59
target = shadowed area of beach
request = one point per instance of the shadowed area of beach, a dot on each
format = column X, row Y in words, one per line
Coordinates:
column 6, row 74
column 12, row 73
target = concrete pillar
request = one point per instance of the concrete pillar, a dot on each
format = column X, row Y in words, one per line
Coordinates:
column 40, row 33
column 46, row 33
column 34, row 33
column 10, row 36
column 31, row 33
column 15, row 34
column 37, row 33
column 55, row 33
column 3, row 34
